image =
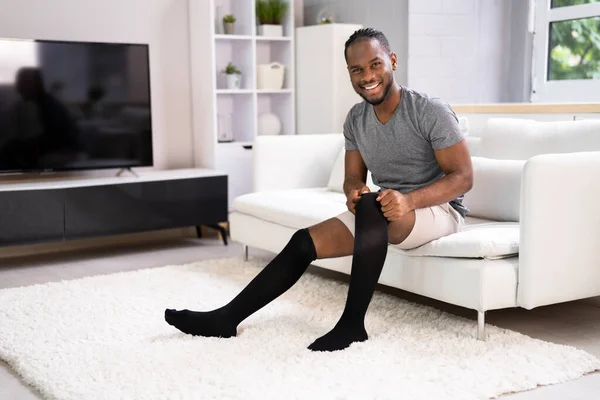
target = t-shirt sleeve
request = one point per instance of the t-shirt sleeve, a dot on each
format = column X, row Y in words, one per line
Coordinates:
column 440, row 125
column 349, row 138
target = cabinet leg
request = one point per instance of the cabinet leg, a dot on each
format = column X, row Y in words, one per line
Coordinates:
column 217, row 227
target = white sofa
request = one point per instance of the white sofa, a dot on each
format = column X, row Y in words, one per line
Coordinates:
column 532, row 236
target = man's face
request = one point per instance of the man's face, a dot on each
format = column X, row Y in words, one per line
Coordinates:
column 371, row 70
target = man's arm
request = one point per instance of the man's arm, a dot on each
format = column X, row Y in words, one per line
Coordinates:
column 455, row 161
column 355, row 179
column 355, row 174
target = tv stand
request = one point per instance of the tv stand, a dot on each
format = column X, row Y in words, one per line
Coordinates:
column 127, row 169
column 62, row 210
column 217, row 227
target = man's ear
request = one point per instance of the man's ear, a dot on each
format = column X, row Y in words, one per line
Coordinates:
column 394, row 60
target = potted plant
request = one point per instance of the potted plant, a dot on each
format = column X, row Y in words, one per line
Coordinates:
column 270, row 13
column 234, row 76
column 228, row 24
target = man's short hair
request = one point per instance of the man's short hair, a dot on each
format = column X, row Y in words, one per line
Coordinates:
column 368, row 34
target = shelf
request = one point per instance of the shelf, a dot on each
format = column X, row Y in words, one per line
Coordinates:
column 237, row 112
column 235, row 117
column 222, row 36
column 243, row 10
column 250, row 91
column 281, row 105
column 240, row 54
column 232, row 37
column 234, row 91
column 274, row 38
column 235, row 143
column 269, row 91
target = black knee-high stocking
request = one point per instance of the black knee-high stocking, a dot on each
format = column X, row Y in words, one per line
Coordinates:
column 276, row 278
column 370, row 251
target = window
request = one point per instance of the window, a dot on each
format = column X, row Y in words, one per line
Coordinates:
column 566, row 48
column 567, row 3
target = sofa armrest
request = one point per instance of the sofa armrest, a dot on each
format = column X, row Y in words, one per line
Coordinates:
column 294, row 161
column 559, row 252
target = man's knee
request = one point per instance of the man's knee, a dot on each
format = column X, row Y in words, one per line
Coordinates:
column 302, row 243
column 332, row 239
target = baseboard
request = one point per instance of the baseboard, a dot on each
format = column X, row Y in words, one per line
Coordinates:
column 107, row 241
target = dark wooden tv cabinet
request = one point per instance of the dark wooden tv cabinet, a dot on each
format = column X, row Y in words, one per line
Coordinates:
column 66, row 209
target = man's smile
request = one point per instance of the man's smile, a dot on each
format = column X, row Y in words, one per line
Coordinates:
column 371, row 87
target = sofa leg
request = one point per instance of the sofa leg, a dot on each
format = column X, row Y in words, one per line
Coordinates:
column 245, row 253
column 480, row 325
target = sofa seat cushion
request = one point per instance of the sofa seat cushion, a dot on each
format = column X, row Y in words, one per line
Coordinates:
column 478, row 238
column 300, row 208
column 294, row 208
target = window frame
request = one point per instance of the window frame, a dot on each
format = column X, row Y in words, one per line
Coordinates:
column 557, row 91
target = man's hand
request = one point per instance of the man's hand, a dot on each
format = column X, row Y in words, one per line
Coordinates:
column 394, row 204
column 354, row 196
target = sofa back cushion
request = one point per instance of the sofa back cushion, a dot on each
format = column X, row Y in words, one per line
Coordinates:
column 337, row 176
column 495, row 194
column 521, row 139
column 496, row 191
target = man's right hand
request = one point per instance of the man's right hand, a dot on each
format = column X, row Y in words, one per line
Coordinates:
column 354, row 196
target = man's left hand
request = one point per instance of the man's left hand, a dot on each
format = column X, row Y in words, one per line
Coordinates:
column 394, row 204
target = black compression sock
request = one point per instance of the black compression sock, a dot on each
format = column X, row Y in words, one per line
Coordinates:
column 274, row 280
column 370, row 251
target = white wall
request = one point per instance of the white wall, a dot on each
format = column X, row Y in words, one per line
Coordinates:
column 163, row 24
column 462, row 50
column 466, row 51
column 388, row 16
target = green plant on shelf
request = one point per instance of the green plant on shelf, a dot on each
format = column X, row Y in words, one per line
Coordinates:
column 271, row 12
column 231, row 69
column 229, row 19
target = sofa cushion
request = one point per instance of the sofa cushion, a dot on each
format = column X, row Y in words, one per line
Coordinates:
column 521, row 139
column 295, row 208
column 473, row 143
column 496, row 192
column 478, row 238
column 337, row 176
column 300, row 208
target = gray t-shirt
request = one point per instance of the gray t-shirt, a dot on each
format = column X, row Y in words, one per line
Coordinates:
column 400, row 153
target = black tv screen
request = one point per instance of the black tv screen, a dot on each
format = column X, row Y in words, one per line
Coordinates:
column 74, row 105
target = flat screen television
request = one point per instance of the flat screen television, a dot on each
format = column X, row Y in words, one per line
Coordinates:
column 67, row 105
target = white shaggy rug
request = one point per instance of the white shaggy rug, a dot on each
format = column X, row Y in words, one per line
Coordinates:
column 104, row 337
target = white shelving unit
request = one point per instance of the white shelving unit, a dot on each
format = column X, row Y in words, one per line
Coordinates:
column 215, row 106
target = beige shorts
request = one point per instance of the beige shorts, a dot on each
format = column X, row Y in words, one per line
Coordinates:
column 430, row 223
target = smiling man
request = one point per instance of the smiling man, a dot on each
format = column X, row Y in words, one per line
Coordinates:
column 414, row 149
column 410, row 142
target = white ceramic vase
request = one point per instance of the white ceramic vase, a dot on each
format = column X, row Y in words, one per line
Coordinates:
column 270, row 30
column 234, row 81
column 269, row 124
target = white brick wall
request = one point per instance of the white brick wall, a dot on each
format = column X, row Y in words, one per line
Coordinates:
column 468, row 51
column 460, row 49
column 425, row 7
column 465, row 7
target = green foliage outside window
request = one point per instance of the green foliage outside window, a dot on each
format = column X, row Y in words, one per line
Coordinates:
column 574, row 46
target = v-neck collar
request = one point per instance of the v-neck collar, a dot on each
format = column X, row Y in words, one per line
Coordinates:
column 396, row 110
